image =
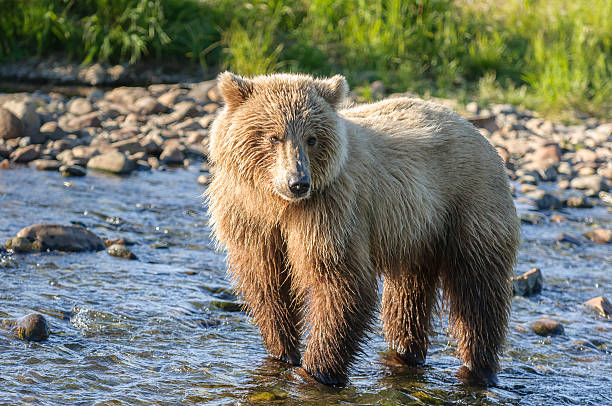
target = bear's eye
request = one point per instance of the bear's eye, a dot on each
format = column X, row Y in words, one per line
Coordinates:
column 311, row 141
column 274, row 140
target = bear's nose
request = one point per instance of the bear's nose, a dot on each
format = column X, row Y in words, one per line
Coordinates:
column 299, row 186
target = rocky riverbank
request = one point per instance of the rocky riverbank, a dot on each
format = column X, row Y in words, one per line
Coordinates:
column 151, row 128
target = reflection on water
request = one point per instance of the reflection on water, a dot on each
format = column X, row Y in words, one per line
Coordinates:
column 164, row 329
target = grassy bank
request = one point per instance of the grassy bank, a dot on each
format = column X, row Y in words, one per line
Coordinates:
column 550, row 55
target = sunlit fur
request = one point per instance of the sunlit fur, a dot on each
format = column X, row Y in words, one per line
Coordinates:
column 402, row 188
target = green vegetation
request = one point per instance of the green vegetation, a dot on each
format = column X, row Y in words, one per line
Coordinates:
column 550, row 55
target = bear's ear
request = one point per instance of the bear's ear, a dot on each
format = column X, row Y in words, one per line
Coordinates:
column 234, row 89
column 333, row 89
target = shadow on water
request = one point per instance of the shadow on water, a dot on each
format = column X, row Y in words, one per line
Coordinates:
column 167, row 329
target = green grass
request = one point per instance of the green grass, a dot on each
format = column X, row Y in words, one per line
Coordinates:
column 550, row 55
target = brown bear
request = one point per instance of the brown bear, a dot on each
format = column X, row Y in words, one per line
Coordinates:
column 314, row 203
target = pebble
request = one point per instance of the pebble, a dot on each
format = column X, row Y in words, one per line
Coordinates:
column 563, row 237
column 121, row 251
column 548, row 202
column 546, row 327
column 578, row 202
column 592, row 182
column 25, row 154
column 528, row 283
column 80, row 106
column 172, row 155
column 204, row 179
column 601, row 305
column 114, row 162
column 600, row 235
column 72, row 170
column 47, row 164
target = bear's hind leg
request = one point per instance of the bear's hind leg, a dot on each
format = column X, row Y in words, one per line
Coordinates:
column 408, row 300
column 476, row 284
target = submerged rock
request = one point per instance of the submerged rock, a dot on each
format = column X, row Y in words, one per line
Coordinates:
column 121, row 251
column 546, row 327
column 528, row 283
column 55, row 237
column 32, row 327
column 601, row 305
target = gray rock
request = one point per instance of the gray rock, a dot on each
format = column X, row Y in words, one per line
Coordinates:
column 172, row 154
column 80, row 106
column 87, row 120
column 204, row 179
column 10, row 126
column 563, row 237
column 472, row 107
column 548, row 202
column 601, row 305
column 47, row 164
column 61, row 238
column 32, row 327
column 72, row 170
column 25, row 154
column 149, row 105
column 121, row 251
column 131, row 145
column 199, row 93
column 599, row 235
column 547, row 327
column 590, row 182
column 578, row 202
column 115, row 162
column 528, row 283
column 26, row 112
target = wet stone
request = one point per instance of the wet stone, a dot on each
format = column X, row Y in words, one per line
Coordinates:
column 528, row 283
column 566, row 238
column 548, row 202
column 47, row 164
column 113, row 162
column 58, row 237
column 601, row 305
column 72, row 170
column 600, row 235
column 19, row 244
column 25, row 154
column 578, row 202
column 591, row 182
column 120, row 251
column 32, row 327
column 226, row 306
column 546, row 327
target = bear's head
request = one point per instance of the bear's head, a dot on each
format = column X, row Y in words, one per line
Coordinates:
column 281, row 132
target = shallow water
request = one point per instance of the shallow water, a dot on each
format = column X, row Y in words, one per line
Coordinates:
column 158, row 330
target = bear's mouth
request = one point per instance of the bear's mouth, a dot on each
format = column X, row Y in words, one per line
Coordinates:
column 291, row 196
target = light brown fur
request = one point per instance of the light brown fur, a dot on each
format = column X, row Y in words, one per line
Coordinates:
column 401, row 188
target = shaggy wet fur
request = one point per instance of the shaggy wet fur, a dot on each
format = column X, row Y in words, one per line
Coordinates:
column 402, row 188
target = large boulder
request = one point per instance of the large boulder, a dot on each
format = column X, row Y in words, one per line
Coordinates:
column 10, row 125
column 56, row 237
column 26, row 112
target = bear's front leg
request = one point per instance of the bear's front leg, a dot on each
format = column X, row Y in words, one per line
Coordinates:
column 263, row 281
column 342, row 300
